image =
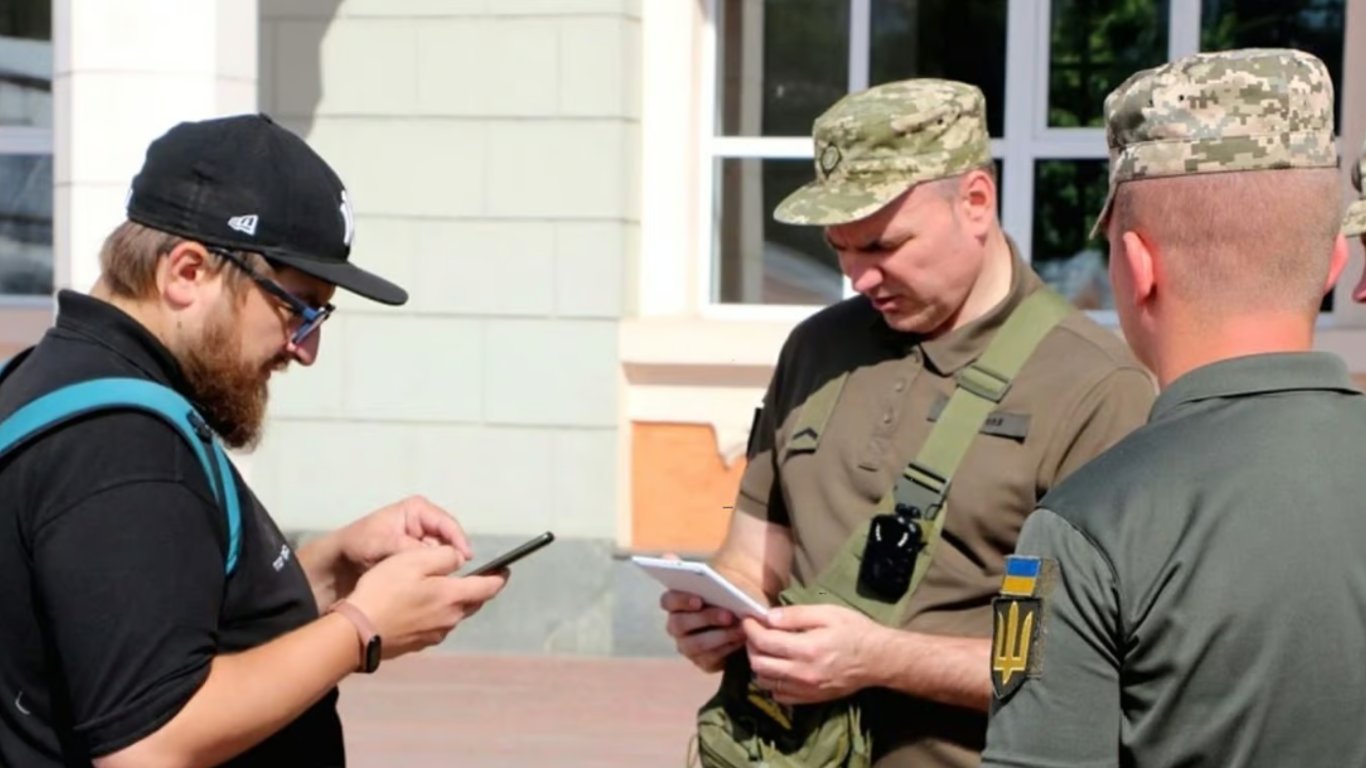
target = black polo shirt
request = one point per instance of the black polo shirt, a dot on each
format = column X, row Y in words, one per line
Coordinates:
column 113, row 592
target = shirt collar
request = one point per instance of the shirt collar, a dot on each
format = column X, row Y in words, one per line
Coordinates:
column 948, row 353
column 107, row 326
column 1255, row 375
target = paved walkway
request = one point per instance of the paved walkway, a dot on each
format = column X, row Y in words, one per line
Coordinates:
column 500, row 712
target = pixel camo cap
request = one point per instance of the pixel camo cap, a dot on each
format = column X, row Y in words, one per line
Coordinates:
column 1244, row 110
column 245, row 183
column 873, row 145
column 1355, row 221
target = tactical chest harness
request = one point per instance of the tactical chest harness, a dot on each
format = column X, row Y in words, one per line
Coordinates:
column 55, row 409
column 741, row 725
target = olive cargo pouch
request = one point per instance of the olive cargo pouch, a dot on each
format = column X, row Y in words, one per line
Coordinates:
column 741, row 726
column 877, row 569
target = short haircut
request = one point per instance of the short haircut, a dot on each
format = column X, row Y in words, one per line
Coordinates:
column 128, row 260
column 948, row 186
column 1239, row 241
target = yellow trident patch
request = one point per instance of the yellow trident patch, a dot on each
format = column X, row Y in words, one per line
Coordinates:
column 1015, row 632
column 1016, row 616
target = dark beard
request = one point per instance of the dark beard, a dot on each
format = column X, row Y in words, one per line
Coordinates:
column 231, row 395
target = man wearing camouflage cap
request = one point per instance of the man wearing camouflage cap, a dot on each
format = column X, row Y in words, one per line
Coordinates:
column 905, row 188
column 1195, row 595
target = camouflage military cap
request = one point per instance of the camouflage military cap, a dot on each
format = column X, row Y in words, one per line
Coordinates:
column 1243, row 110
column 873, row 145
column 1355, row 221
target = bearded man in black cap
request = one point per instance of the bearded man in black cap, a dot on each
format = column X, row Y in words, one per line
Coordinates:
column 141, row 625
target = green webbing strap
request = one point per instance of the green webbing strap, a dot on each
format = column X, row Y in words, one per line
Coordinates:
column 981, row 385
column 922, row 488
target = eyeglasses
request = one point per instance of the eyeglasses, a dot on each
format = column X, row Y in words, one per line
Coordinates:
column 310, row 317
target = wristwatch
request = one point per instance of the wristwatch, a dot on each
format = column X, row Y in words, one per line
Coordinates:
column 369, row 638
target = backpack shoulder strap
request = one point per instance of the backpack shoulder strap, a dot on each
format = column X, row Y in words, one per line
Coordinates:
column 63, row 405
column 922, row 488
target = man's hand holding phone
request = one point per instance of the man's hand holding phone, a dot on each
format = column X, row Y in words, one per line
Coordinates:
column 703, row 633
column 413, row 602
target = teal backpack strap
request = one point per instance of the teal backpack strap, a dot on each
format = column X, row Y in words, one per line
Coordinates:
column 57, row 408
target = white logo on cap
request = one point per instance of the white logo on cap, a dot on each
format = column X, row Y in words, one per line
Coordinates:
column 244, row 224
column 348, row 219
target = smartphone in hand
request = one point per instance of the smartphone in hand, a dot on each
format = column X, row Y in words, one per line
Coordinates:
column 513, row 555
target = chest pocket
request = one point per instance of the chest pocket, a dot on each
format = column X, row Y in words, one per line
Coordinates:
column 1012, row 426
column 813, row 417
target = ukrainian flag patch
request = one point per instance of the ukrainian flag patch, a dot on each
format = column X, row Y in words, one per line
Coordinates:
column 1017, row 619
column 1022, row 576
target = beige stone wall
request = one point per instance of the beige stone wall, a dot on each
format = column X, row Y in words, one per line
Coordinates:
column 490, row 152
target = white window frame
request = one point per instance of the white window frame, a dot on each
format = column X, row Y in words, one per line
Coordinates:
column 27, row 140
column 1026, row 140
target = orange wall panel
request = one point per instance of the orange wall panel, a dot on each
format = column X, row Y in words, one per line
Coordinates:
column 681, row 490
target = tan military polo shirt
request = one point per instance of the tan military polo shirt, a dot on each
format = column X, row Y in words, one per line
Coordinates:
column 1079, row 393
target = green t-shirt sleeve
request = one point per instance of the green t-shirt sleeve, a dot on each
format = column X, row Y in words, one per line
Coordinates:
column 1067, row 712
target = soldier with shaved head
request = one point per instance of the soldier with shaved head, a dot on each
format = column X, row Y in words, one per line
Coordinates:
column 905, row 434
column 1195, row 595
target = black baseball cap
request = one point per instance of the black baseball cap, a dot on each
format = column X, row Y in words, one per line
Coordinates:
column 247, row 184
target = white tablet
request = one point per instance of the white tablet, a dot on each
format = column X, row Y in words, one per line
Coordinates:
column 699, row 579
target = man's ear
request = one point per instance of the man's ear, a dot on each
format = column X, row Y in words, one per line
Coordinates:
column 183, row 273
column 1138, row 261
column 1337, row 264
column 976, row 201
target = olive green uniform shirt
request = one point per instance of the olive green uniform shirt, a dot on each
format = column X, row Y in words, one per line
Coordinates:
column 1077, row 395
column 1209, row 605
